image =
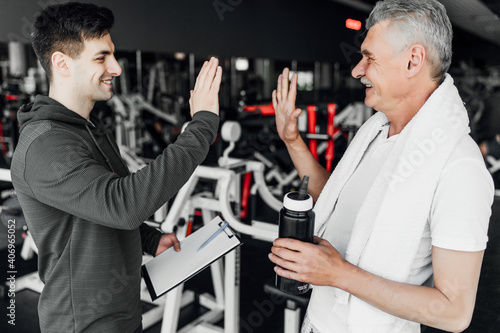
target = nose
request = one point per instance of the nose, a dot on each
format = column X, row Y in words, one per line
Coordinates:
column 114, row 67
column 359, row 70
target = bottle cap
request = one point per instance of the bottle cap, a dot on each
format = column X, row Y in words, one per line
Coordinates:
column 292, row 202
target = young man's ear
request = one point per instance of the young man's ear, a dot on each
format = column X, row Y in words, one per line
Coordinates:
column 60, row 63
column 417, row 56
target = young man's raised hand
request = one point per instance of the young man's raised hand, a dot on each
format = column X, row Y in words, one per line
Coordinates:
column 205, row 94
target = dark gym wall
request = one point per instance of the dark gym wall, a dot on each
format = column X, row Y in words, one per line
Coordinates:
column 305, row 30
column 280, row 29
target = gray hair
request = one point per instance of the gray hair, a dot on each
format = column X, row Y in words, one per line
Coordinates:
column 418, row 21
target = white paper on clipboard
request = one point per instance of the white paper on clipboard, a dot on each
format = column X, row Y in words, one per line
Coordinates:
column 171, row 268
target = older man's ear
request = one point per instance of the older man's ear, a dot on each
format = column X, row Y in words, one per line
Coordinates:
column 417, row 56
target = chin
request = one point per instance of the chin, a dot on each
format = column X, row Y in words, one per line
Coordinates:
column 104, row 97
column 369, row 103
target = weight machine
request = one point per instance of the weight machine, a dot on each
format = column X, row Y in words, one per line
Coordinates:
column 225, row 199
column 225, row 303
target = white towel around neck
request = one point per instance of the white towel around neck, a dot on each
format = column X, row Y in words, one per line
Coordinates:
column 391, row 220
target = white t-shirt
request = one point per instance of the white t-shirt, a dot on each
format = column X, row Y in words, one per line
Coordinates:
column 458, row 220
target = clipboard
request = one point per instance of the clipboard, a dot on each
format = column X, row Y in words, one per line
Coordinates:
column 171, row 268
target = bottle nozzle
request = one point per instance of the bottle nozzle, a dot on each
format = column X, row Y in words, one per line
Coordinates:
column 303, row 188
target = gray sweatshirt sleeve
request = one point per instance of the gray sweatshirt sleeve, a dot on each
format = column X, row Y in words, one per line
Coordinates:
column 150, row 238
column 68, row 178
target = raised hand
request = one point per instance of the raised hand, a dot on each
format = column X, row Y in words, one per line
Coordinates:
column 284, row 106
column 205, row 95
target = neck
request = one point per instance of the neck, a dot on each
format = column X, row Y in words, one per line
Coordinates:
column 64, row 94
column 413, row 101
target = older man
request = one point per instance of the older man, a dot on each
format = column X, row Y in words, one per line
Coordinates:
column 403, row 219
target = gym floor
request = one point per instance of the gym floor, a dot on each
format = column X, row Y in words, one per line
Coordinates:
column 258, row 313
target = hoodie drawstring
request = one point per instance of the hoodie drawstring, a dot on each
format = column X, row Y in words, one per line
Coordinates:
column 117, row 152
column 112, row 147
column 98, row 147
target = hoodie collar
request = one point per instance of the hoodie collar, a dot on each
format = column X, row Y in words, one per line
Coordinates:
column 46, row 108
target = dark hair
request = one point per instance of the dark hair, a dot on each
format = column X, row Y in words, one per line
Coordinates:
column 65, row 27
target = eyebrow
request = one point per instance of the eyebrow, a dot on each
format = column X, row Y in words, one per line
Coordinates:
column 103, row 52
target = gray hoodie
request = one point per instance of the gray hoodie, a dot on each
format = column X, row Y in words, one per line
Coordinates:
column 85, row 212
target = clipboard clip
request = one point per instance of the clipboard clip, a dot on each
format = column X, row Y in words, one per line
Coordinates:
column 222, row 227
column 227, row 229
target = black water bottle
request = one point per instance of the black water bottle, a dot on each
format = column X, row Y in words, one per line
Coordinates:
column 296, row 220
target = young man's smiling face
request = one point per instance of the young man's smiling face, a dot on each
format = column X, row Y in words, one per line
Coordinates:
column 94, row 69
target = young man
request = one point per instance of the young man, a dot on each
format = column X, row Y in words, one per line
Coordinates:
column 403, row 219
column 83, row 207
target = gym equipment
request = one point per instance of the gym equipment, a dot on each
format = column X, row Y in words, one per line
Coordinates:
column 277, row 176
column 128, row 109
column 293, row 305
column 330, row 131
column 311, row 126
column 12, row 209
column 225, row 302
